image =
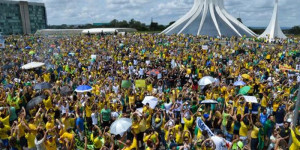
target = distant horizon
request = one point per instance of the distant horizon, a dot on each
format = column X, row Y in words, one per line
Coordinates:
column 255, row 27
column 257, row 13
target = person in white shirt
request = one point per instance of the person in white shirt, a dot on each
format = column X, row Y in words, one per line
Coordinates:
column 39, row 141
column 94, row 117
column 141, row 72
column 219, row 141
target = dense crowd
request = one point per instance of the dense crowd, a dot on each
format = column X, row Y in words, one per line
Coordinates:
column 171, row 68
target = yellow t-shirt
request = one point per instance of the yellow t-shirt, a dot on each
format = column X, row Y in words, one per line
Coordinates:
column 240, row 109
column 30, row 139
column 254, row 133
column 243, row 129
column 132, row 146
column 96, row 141
column 135, row 127
column 67, row 135
column 153, row 137
column 264, row 102
column 131, row 99
column 5, row 120
column 48, row 103
column 50, row 145
column 50, row 125
column 32, row 127
column 88, row 111
column 178, row 138
column 21, row 130
column 3, row 132
column 188, row 123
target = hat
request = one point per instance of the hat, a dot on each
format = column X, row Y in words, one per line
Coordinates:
column 240, row 144
column 200, row 109
column 206, row 116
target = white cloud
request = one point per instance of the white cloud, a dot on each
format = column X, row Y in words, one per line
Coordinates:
column 253, row 13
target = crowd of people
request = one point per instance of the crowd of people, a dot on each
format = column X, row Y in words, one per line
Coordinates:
column 171, row 68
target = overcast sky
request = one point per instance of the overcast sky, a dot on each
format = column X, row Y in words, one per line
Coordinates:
column 253, row 12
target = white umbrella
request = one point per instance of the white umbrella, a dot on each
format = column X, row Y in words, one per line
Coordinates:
column 33, row 65
column 239, row 83
column 151, row 100
column 206, row 80
column 120, row 126
column 209, row 101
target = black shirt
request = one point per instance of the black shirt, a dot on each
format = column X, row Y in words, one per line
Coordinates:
column 284, row 132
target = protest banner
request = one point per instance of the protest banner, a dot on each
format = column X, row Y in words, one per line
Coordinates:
column 140, row 83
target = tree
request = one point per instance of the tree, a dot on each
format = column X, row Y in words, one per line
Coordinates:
column 295, row 30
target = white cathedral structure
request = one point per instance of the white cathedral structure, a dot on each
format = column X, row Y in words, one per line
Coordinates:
column 209, row 17
column 273, row 30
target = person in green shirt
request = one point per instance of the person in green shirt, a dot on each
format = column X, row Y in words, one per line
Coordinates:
column 269, row 126
column 105, row 116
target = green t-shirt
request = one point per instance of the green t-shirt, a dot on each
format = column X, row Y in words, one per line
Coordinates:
column 13, row 115
column 105, row 114
column 224, row 116
column 194, row 108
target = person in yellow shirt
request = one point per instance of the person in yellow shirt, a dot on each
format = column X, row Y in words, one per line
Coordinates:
column 5, row 119
column 4, row 134
column 50, row 126
column 295, row 133
column 264, row 102
column 88, row 114
column 48, row 103
column 50, row 143
column 243, row 131
column 30, row 136
column 135, row 124
column 67, row 135
column 129, row 145
column 254, row 135
column 188, row 120
column 96, row 138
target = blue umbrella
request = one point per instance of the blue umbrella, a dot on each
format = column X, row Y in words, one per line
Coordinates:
column 8, row 86
column 239, row 83
column 83, row 88
column 27, row 47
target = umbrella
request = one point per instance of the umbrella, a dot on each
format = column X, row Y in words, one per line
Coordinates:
column 8, row 86
column 27, row 47
column 209, row 101
column 35, row 101
column 151, row 100
column 43, row 85
column 126, row 84
column 153, row 72
column 83, row 88
column 239, row 83
column 244, row 90
column 33, row 65
column 120, row 126
column 65, row 90
column 206, row 80
column 31, row 52
column 246, row 76
column 7, row 66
